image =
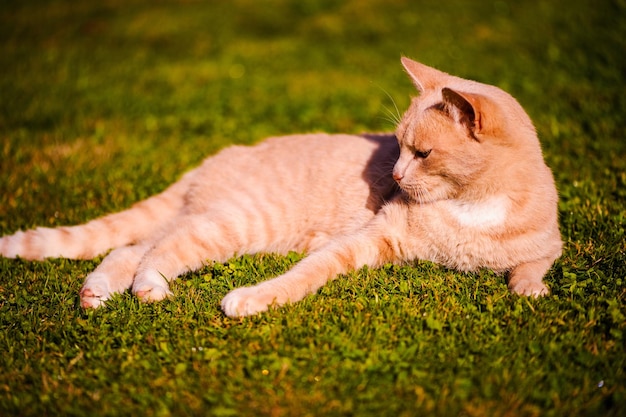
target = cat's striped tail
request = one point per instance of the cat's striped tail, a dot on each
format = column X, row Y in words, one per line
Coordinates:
column 94, row 238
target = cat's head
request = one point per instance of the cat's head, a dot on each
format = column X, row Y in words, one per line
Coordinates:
column 459, row 137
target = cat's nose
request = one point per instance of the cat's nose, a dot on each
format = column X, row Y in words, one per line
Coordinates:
column 397, row 176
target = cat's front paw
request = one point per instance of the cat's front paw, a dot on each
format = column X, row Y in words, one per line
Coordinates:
column 150, row 295
column 95, row 291
column 247, row 301
column 530, row 288
column 150, row 286
column 92, row 298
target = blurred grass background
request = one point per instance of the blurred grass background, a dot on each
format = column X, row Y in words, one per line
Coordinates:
column 104, row 103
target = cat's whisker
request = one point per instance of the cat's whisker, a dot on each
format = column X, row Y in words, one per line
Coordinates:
column 423, row 196
column 397, row 111
column 391, row 120
column 391, row 117
column 394, row 116
column 384, row 175
column 428, row 195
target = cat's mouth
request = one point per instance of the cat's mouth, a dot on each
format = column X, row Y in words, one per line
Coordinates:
column 419, row 195
column 425, row 195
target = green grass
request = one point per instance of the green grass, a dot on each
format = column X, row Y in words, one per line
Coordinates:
column 104, row 103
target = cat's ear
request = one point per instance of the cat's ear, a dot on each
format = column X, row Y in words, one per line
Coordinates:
column 467, row 109
column 424, row 77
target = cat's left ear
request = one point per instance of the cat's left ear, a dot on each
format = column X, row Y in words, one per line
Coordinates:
column 467, row 109
column 424, row 77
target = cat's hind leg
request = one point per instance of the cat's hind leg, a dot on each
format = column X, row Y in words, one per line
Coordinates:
column 114, row 275
column 193, row 241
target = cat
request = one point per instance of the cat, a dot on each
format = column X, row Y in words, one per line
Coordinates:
column 462, row 183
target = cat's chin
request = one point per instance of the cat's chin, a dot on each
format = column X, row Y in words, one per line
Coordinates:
column 421, row 199
column 420, row 194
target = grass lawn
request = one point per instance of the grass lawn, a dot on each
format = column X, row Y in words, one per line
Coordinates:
column 103, row 103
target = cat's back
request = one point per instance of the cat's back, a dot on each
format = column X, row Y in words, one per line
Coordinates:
column 319, row 181
column 318, row 164
column 306, row 163
column 341, row 151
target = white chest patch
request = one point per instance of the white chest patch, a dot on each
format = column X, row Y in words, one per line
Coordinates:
column 487, row 213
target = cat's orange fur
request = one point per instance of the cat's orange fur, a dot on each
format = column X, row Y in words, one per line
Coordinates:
column 467, row 187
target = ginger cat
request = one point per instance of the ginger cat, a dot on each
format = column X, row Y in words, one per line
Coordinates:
column 462, row 183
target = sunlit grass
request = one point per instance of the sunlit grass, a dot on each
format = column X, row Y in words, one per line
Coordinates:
column 105, row 103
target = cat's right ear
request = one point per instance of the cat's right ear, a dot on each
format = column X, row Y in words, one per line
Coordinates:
column 474, row 111
column 424, row 77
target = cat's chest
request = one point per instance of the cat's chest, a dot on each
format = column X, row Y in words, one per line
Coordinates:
column 466, row 236
column 480, row 216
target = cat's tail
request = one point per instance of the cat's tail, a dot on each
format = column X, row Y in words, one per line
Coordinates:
column 97, row 236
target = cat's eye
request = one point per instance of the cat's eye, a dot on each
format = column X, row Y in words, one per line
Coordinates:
column 422, row 154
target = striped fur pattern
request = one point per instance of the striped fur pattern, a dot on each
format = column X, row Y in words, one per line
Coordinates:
column 462, row 182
